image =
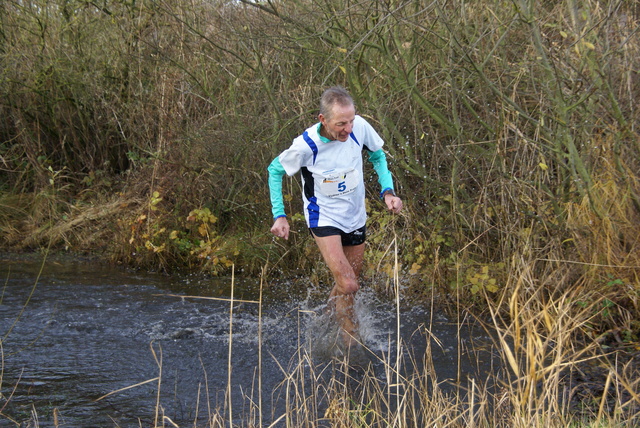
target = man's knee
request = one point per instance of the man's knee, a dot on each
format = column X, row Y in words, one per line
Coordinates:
column 347, row 286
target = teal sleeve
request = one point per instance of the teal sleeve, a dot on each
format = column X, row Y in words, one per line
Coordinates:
column 276, row 172
column 379, row 161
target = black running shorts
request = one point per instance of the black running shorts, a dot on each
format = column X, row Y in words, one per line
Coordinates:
column 356, row 237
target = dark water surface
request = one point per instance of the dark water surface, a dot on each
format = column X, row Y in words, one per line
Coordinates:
column 84, row 330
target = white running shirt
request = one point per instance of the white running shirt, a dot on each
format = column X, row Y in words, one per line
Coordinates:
column 332, row 175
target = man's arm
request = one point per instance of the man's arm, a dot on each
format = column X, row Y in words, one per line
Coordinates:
column 280, row 226
column 276, row 172
column 379, row 161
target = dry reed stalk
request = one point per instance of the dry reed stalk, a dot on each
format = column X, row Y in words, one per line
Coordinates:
column 197, row 408
column 208, row 398
column 604, row 397
column 396, row 282
column 158, row 361
column 228, row 401
column 260, row 416
column 33, row 289
column 537, row 343
column 7, row 398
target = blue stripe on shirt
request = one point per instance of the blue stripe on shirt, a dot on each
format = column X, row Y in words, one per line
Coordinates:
column 312, row 145
column 314, row 212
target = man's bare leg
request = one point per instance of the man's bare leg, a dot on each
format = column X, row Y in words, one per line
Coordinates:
column 345, row 264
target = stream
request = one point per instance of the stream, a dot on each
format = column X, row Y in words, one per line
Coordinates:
column 83, row 343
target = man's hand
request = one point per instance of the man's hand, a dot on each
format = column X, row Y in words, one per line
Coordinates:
column 280, row 228
column 394, row 203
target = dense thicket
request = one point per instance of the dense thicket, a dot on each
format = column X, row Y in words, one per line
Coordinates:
column 144, row 128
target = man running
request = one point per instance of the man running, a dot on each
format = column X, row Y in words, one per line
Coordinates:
column 329, row 157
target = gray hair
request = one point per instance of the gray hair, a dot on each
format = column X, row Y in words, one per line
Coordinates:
column 332, row 96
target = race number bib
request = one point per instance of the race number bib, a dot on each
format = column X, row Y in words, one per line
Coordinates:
column 337, row 184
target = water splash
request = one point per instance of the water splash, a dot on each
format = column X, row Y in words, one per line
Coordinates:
column 324, row 336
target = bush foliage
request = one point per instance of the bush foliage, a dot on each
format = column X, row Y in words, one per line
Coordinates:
column 511, row 129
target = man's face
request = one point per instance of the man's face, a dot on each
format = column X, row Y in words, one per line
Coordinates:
column 340, row 123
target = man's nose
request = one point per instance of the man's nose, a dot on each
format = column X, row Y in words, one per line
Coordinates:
column 348, row 128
